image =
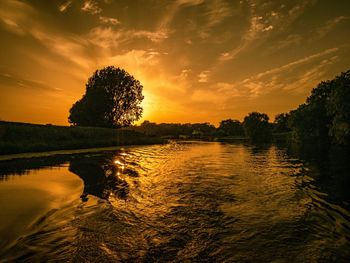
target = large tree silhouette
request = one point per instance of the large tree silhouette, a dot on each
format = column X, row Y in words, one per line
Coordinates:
column 257, row 127
column 112, row 99
column 325, row 117
column 231, row 127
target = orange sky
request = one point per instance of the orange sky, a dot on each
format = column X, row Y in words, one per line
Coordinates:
column 199, row 61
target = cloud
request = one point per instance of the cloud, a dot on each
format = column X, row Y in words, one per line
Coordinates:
column 64, row 7
column 290, row 40
column 275, row 79
column 256, row 27
column 329, row 26
column 267, row 28
column 294, row 77
column 203, row 76
column 108, row 37
column 135, row 59
column 105, row 37
column 92, row 7
column 14, row 15
column 73, row 49
column 9, row 80
column 154, row 36
column 216, row 12
column 262, row 23
column 109, row 20
column 189, row 2
column 311, row 77
column 172, row 9
column 297, row 62
column 13, row 26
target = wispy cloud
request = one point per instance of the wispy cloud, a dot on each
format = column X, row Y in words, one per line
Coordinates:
column 92, row 7
column 109, row 20
column 154, row 36
column 14, row 15
column 262, row 23
column 290, row 40
column 189, row 2
column 294, row 77
column 216, row 12
column 269, row 80
column 311, row 77
column 13, row 26
column 297, row 62
column 203, row 76
column 9, row 80
column 108, row 37
column 329, row 26
column 71, row 48
column 136, row 59
column 65, row 6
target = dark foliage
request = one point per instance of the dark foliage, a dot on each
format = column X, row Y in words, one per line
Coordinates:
column 338, row 107
column 325, row 117
column 257, row 127
column 176, row 130
column 231, row 127
column 112, row 99
column 281, row 123
column 22, row 137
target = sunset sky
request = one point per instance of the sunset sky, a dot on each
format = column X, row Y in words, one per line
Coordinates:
column 198, row 60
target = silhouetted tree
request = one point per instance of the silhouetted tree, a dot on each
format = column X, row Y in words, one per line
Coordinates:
column 325, row 117
column 339, row 108
column 311, row 121
column 281, row 123
column 257, row 127
column 112, row 99
column 231, row 127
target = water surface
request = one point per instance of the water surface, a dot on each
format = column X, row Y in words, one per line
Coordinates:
column 178, row 202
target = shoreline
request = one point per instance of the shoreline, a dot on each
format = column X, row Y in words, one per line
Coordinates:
column 25, row 138
column 28, row 155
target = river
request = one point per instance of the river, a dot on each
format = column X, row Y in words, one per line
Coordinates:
column 179, row 202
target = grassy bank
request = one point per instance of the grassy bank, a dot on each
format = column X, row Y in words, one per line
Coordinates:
column 22, row 137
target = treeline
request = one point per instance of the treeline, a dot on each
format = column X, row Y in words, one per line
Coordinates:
column 227, row 128
column 24, row 137
column 255, row 127
column 323, row 119
column 176, row 130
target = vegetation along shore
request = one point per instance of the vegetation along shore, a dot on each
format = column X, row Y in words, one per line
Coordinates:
column 22, row 137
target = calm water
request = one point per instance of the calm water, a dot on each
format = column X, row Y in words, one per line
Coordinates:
column 182, row 202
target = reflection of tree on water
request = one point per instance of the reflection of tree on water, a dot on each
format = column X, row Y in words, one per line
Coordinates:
column 101, row 177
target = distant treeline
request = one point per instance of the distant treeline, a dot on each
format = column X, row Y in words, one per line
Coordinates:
column 255, row 126
column 323, row 119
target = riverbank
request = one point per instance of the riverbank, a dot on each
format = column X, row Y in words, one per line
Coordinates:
column 25, row 138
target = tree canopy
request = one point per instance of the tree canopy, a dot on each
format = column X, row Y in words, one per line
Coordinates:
column 112, row 99
column 325, row 117
column 257, row 127
column 231, row 127
column 281, row 123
